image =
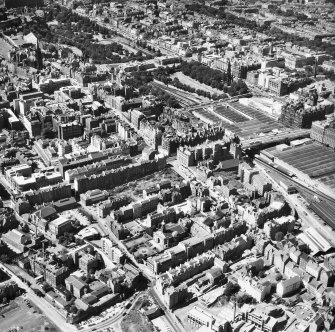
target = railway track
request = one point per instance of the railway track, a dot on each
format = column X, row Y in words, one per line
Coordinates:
column 180, row 96
column 312, row 192
column 321, row 207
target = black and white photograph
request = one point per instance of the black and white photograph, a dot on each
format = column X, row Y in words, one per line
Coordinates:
column 167, row 165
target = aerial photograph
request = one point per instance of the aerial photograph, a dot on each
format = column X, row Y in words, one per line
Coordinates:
column 167, row 165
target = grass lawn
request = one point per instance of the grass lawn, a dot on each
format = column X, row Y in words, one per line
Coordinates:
column 136, row 322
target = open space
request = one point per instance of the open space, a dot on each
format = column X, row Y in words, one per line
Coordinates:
column 135, row 189
column 26, row 317
column 136, row 322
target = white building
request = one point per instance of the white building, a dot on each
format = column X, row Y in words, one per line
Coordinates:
column 288, row 286
column 258, row 290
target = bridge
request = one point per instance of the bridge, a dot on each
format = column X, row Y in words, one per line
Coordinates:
column 267, row 139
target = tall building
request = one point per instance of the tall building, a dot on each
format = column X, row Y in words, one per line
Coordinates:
column 324, row 132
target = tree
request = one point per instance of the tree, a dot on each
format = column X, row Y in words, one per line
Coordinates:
column 46, row 287
column 24, row 228
column 73, row 309
column 231, row 288
column 279, row 277
column 244, row 298
column 279, row 236
column 52, row 48
column 4, row 258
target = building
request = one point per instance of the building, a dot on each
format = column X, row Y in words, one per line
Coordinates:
column 119, row 176
column 48, row 194
column 123, row 105
column 59, row 226
column 262, row 318
column 283, row 224
column 304, row 109
column 17, row 240
column 198, row 317
column 51, row 85
column 112, row 251
column 255, row 288
column 288, row 286
column 76, row 286
column 93, row 196
column 185, row 271
column 88, row 263
column 191, row 156
column 70, row 130
column 293, row 61
column 324, row 132
column 53, row 272
column 175, row 295
column 168, row 259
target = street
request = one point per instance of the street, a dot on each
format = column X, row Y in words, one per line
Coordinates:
column 174, row 323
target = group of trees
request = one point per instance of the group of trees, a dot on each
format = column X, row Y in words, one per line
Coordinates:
column 78, row 31
column 165, row 97
column 231, row 289
column 328, row 73
column 144, row 44
column 213, row 77
column 231, row 293
column 237, row 88
column 66, row 239
column 139, row 80
column 290, row 13
column 200, row 92
column 204, row 74
column 188, row 88
column 84, row 213
column 206, row 10
column 4, row 258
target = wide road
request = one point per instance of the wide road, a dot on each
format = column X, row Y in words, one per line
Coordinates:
column 174, row 323
column 50, row 312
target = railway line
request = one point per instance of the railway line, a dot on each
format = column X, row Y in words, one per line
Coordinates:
column 312, row 192
column 180, row 96
column 323, row 206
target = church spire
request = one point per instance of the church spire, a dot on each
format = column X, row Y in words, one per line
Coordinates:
column 39, row 58
column 315, row 67
column 229, row 77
